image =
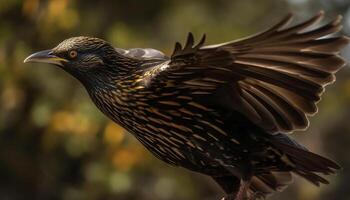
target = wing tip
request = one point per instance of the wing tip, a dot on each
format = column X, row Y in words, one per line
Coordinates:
column 337, row 20
column 189, row 47
column 345, row 39
column 320, row 13
column 190, row 41
column 283, row 23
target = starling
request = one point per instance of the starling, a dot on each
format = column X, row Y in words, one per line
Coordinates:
column 221, row 110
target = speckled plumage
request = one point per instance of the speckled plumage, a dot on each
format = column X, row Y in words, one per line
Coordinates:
column 221, row 110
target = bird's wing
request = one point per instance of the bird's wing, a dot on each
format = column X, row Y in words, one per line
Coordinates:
column 140, row 53
column 274, row 78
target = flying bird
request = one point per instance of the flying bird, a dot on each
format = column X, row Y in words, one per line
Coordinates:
column 222, row 110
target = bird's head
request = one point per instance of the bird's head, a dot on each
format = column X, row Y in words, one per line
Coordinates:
column 79, row 56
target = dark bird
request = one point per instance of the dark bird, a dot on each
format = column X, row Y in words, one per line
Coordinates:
column 221, row 110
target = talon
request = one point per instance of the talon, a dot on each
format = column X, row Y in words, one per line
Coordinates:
column 229, row 197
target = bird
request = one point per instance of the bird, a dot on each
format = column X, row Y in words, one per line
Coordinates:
column 223, row 110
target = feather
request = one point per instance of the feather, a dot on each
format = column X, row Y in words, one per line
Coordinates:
column 280, row 73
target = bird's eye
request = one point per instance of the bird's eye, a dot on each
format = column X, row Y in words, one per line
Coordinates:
column 73, row 54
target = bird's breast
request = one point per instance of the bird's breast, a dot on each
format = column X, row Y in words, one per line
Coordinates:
column 172, row 125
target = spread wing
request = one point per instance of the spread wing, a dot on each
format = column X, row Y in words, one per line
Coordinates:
column 274, row 78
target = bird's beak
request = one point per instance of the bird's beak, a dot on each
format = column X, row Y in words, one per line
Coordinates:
column 45, row 57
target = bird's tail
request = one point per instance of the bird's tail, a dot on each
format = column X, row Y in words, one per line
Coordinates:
column 265, row 184
column 305, row 163
column 261, row 185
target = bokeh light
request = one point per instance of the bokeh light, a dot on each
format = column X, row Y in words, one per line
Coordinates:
column 54, row 143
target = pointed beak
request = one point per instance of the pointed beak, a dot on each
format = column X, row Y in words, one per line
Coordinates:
column 45, row 57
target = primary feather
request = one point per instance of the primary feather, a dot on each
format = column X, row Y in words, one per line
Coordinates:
column 276, row 77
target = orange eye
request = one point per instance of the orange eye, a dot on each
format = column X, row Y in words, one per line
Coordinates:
column 73, row 54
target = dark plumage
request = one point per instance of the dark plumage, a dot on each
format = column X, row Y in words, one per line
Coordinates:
column 221, row 110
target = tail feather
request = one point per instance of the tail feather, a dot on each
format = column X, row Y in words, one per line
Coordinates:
column 305, row 163
column 312, row 177
column 261, row 185
column 266, row 184
column 298, row 160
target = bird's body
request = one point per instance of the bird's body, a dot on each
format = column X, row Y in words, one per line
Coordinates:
column 178, row 125
column 220, row 110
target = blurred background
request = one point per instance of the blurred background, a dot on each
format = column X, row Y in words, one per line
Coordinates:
column 54, row 143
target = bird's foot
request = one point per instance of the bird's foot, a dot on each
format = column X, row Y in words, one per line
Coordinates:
column 236, row 197
column 229, row 197
column 243, row 190
column 242, row 193
column 257, row 195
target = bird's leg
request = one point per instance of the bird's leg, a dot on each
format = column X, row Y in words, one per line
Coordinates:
column 243, row 190
column 229, row 197
column 256, row 195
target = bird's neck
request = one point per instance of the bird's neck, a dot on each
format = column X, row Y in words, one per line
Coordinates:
column 114, row 70
column 114, row 92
